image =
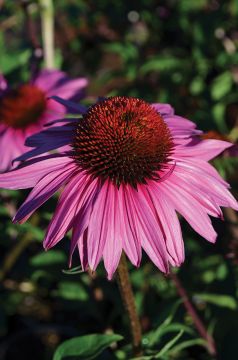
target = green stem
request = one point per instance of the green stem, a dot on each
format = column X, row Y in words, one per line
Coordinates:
column 13, row 255
column 129, row 303
column 47, row 24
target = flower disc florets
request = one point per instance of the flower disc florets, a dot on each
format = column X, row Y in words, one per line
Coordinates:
column 123, row 139
column 22, row 106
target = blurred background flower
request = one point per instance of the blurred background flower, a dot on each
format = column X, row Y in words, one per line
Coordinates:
column 25, row 109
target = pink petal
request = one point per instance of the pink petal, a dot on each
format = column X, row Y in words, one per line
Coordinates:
column 206, row 178
column 82, row 218
column 178, row 122
column 113, row 241
column 48, row 79
column 163, row 109
column 3, row 83
column 83, row 250
column 205, row 198
column 130, row 237
column 27, row 175
column 189, row 208
column 69, row 88
column 151, row 236
column 169, row 223
column 70, row 202
column 11, row 145
column 98, row 227
column 43, row 190
column 205, row 149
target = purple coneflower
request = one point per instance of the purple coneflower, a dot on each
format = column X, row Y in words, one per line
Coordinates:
column 25, row 110
column 131, row 166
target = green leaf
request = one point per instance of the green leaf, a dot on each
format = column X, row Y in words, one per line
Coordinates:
column 74, row 271
column 188, row 5
column 221, row 85
column 37, row 233
column 169, row 345
column 85, row 347
column 71, row 291
column 218, row 112
column 126, row 50
column 50, row 258
column 155, row 336
column 10, row 62
column 197, row 86
column 188, row 343
column 163, row 63
column 219, row 300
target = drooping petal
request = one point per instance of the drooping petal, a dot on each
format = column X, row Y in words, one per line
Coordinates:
column 129, row 231
column 189, row 208
column 60, row 133
column 152, row 239
column 206, row 200
column 169, row 223
column 71, row 106
column 113, row 242
column 27, row 175
column 47, row 140
column 98, row 227
column 82, row 218
column 83, row 250
column 43, row 190
column 70, row 202
column 205, row 177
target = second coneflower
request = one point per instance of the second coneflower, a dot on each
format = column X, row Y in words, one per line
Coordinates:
column 130, row 167
column 25, row 109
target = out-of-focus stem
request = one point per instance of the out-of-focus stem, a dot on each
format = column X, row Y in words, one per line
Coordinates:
column 232, row 219
column 47, row 24
column 37, row 52
column 192, row 312
column 13, row 255
column 129, row 303
column 30, row 25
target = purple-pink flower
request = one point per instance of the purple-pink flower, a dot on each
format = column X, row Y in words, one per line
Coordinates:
column 130, row 167
column 26, row 109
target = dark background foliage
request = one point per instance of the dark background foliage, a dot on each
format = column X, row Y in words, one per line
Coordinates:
column 181, row 52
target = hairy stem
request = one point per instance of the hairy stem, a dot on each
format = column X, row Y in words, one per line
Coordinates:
column 129, row 303
column 47, row 23
column 192, row 312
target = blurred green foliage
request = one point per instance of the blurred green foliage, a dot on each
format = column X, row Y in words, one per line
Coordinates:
column 181, row 52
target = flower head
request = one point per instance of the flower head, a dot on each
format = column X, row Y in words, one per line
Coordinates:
column 24, row 110
column 117, row 139
column 130, row 167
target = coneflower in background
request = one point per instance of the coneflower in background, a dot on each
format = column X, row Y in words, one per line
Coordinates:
column 24, row 110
